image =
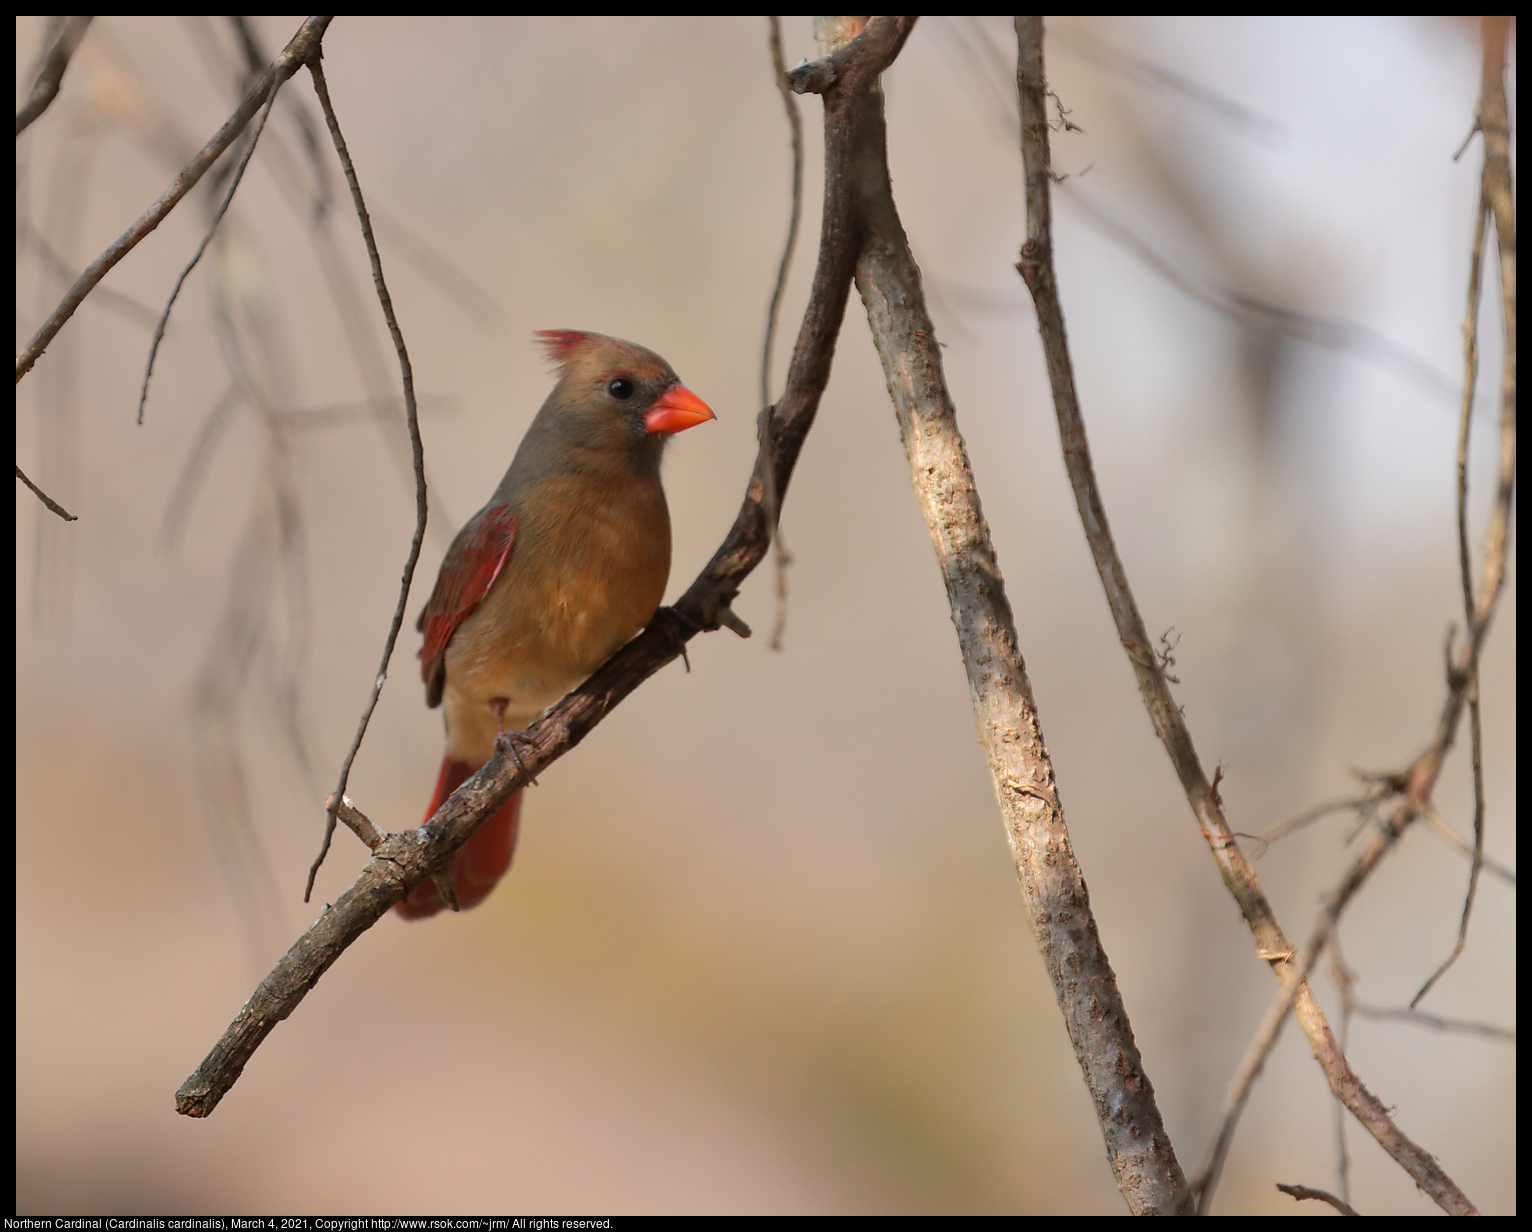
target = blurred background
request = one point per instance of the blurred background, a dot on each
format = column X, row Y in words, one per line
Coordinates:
column 762, row 950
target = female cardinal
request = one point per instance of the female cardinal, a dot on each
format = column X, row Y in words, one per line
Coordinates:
column 566, row 563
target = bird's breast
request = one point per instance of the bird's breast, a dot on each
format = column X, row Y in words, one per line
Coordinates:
column 586, row 572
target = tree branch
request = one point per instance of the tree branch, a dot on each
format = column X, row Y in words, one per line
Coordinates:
column 401, row 861
column 1272, row 944
column 1058, row 905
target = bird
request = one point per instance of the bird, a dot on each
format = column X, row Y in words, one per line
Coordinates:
column 566, row 563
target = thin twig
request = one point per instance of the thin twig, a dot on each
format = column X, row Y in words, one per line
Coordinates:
column 1371, row 1112
column 1449, row 836
column 234, row 182
column 1366, row 1107
column 313, row 210
column 358, row 823
column 1345, row 980
column 781, row 557
column 1496, row 196
column 417, row 451
column 1437, row 1022
column 983, row 67
column 52, row 504
column 1417, row 782
column 195, row 466
column 1036, row 269
column 1495, row 125
column 461, row 290
column 1306, row 1193
column 1465, row 576
column 66, row 33
column 303, row 45
column 1309, row 816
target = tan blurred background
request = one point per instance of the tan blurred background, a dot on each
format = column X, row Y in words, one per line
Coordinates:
column 762, row 950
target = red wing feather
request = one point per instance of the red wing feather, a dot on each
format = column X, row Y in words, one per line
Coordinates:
column 470, row 568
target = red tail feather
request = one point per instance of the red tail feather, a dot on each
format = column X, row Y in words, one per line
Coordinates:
column 479, row 863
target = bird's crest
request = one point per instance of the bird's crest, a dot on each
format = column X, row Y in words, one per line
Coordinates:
column 562, row 345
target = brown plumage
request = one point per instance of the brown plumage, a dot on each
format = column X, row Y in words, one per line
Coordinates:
column 566, row 563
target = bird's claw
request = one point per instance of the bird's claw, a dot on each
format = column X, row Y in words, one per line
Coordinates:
column 715, row 615
column 506, row 742
column 443, row 883
column 680, row 627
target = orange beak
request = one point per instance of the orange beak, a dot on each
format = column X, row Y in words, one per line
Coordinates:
column 676, row 410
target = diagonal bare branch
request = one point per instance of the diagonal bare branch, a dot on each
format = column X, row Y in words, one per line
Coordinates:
column 402, row 861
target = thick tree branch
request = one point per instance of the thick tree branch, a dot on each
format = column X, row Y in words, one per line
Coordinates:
column 1058, row 906
column 1272, row 944
column 401, row 861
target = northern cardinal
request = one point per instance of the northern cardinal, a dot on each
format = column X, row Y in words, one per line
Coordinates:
column 567, row 562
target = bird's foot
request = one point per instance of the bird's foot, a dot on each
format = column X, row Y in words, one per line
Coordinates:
column 443, row 883
column 506, row 742
column 679, row 627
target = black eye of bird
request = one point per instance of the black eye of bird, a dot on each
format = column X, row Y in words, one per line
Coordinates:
column 620, row 388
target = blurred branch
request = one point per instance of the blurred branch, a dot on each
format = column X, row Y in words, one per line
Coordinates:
column 234, row 182
column 1058, row 906
column 1436, row 1022
column 1036, row 269
column 1449, row 836
column 64, row 34
column 1138, row 69
column 401, row 861
column 303, row 45
column 781, row 557
column 462, row 291
column 104, row 297
column 1331, row 333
